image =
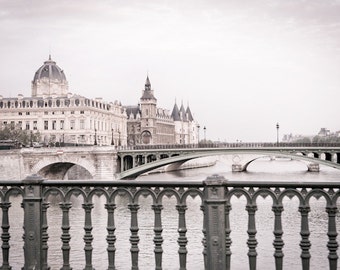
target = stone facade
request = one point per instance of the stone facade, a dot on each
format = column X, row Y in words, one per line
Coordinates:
column 61, row 117
column 148, row 124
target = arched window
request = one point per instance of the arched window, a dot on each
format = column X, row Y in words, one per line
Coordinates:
column 146, row 137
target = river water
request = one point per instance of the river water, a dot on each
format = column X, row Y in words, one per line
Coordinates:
column 262, row 170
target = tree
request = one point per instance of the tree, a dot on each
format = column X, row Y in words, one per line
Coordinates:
column 15, row 133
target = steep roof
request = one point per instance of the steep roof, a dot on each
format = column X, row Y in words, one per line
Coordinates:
column 134, row 110
column 147, row 92
column 189, row 115
column 175, row 113
column 183, row 113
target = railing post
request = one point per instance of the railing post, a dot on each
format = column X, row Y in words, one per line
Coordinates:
column 214, row 220
column 33, row 223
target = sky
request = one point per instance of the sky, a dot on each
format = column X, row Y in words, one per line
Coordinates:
column 241, row 66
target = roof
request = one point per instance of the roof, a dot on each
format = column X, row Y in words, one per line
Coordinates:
column 189, row 115
column 49, row 70
column 175, row 113
column 134, row 110
column 147, row 92
column 183, row 113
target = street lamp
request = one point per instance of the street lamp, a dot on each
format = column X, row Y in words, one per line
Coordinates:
column 205, row 137
column 277, row 133
column 95, row 136
column 198, row 134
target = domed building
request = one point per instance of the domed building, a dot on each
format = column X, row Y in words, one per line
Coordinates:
column 63, row 118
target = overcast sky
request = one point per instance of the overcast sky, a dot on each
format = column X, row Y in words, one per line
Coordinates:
column 242, row 66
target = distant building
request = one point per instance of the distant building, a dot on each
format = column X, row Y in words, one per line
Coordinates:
column 324, row 132
column 62, row 117
column 149, row 124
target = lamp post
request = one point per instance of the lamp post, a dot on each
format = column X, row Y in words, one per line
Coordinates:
column 112, row 143
column 95, row 136
column 205, row 135
column 198, row 134
column 277, row 133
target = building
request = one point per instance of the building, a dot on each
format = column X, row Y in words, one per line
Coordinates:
column 151, row 125
column 61, row 117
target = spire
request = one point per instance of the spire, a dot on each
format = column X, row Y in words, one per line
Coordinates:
column 49, row 57
column 147, row 83
column 183, row 113
column 175, row 113
column 147, row 92
column 189, row 114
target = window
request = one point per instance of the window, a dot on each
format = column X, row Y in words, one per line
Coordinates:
column 61, row 124
column 20, row 125
column 46, row 125
column 82, row 124
column 54, row 124
column 81, row 112
column 72, row 124
column 27, row 125
column 20, row 113
column 27, row 113
column 35, row 125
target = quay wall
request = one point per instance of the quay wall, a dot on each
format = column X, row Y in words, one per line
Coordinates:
column 11, row 165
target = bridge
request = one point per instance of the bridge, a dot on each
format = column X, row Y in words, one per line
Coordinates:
column 109, row 162
column 59, row 163
column 138, row 160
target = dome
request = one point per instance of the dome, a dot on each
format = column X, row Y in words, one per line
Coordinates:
column 49, row 70
column 49, row 80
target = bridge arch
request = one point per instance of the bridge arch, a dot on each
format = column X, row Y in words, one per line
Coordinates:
column 64, row 169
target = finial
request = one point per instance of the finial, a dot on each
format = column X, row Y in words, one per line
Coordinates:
column 49, row 53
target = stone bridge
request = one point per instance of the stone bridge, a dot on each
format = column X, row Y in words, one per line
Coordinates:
column 92, row 162
column 109, row 163
column 136, row 161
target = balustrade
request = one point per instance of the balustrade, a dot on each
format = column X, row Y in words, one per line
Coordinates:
column 215, row 193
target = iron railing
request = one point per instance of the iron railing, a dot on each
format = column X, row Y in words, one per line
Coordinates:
column 216, row 195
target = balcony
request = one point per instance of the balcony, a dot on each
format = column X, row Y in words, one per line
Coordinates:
column 211, row 224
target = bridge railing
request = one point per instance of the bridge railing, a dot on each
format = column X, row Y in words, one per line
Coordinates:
column 226, row 145
column 216, row 195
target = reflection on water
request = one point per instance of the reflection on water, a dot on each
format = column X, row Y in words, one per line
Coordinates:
column 265, row 170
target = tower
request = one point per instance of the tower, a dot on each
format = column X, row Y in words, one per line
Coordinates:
column 148, row 107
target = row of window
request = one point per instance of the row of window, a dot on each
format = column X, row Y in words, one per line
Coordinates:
column 53, row 113
column 61, row 125
column 54, row 103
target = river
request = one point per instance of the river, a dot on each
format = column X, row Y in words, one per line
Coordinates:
column 262, row 170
